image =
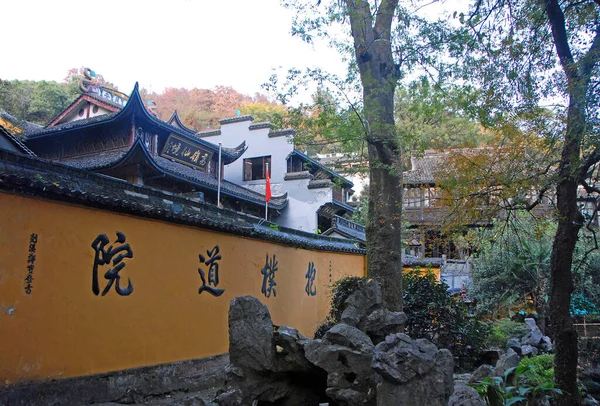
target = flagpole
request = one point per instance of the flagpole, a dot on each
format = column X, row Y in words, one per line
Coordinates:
column 219, row 180
column 266, row 186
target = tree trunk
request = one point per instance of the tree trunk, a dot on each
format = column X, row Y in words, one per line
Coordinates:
column 373, row 51
column 570, row 222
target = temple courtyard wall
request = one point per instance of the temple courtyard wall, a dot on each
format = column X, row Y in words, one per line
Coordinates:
column 88, row 290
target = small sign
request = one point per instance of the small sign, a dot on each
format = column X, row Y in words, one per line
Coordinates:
column 109, row 94
column 187, row 152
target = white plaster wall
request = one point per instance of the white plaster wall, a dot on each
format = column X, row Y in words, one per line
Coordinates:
column 303, row 203
column 100, row 111
column 259, row 144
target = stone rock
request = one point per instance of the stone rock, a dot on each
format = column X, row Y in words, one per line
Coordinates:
column 492, row 356
column 250, row 335
column 528, row 351
column 534, row 337
column 465, row 396
column 229, row 398
column 445, row 365
column 546, row 344
column 345, row 354
column 480, row 373
column 364, row 310
column 590, row 401
column 289, row 350
column 509, row 360
column 399, row 358
column 412, row 372
column 266, row 366
column 515, row 344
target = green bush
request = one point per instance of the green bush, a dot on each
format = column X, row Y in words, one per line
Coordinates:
column 442, row 319
column 502, row 330
column 524, row 385
column 538, row 371
column 432, row 313
column 339, row 293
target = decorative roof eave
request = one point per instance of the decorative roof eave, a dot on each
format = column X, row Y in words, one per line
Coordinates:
column 237, row 151
column 282, row 133
column 343, row 233
column 175, row 118
column 345, row 182
column 261, row 125
column 208, row 133
column 277, row 203
column 37, row 177
column 84, row 97
column 297, row 175
column 343, row 206
column 236, row 119
column 134, row 104
column 16, row 142
column 320, row 184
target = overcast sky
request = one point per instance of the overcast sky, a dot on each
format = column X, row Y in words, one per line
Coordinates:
column 158, row 43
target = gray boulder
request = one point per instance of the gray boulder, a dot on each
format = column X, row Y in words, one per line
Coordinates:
column 534, row 337
column 250, row 335
column 515, row 344
column 364, row 310
column 266, row 366
column 412, row 372
column 529, row 351
column 345, row 354
column 509, row 360
column 465, row 396
column 480, row 373
column 546, row 344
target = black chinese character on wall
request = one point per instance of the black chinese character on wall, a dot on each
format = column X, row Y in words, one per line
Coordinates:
column 268, row 273
column 311, row 289
column 213, row 272
column 104, row 256
column 33, row 238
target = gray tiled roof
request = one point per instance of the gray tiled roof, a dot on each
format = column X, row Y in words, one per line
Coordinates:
column 258, row 126
column 113, row 158
column 236, row 119
column 424, row 168
column 16, row 141
column 38, row 177
column 26, row 126
column 70, row 125
column 97, row 160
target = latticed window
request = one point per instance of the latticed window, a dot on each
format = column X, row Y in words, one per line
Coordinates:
column 255, row 168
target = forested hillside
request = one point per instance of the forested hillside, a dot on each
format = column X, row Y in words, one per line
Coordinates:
column 40, row 101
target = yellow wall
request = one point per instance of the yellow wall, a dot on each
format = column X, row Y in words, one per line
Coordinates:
column 62, row 329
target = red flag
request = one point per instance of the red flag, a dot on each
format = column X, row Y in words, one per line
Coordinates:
column 268, row 187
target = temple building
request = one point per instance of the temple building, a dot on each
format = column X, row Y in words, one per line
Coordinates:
column 316, row 195
column 119, row 136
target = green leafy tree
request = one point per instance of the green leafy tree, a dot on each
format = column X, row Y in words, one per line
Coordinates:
column 512, row 266
column 432, row 116
column 435, row 315
column 381, row 41
column 33, row 101
column 520, row 53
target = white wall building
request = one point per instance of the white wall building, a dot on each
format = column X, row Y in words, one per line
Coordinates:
column 315, row 193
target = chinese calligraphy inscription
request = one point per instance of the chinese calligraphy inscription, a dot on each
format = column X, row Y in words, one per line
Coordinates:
column 187, row 152
column 213, row 272
column 33, row 238
column 311, row 289
column 268, row 273
column 104, row 256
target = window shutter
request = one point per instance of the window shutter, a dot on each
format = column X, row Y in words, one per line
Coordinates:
column 247, row 169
